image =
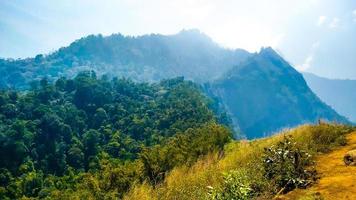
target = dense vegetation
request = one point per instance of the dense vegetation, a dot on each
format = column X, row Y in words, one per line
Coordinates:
column 94, row 138
column 101, row 138
column 259, row 169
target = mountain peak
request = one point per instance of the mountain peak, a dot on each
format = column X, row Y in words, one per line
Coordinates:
column 272, row 56
column 193, row 31
column 194, row 34
column 269, row 51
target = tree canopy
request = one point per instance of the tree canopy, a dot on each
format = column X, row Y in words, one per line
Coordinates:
column 100, row 136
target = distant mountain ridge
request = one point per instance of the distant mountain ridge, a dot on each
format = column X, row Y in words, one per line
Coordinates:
column 265, row 94
column 339, row 94
column 189, row 53
column 261, row 92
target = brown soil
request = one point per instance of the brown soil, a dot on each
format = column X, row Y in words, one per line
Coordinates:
column 337, row 181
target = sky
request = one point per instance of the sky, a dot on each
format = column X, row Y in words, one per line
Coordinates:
column 317, row 36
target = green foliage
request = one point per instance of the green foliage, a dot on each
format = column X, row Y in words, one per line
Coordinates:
column 325, row 136
column 93, row 138
column 236, row 185
column 286, row 165
column 184, row 148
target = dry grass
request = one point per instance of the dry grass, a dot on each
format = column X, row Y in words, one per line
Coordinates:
column 191, row 183
column 143, row 192
column 337, row 181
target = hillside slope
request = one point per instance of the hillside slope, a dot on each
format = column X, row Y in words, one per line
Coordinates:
column 242, row 171
column 265, row 94
column 100, row 134
column 339, row 94
column 337, row 181
column 188, row 53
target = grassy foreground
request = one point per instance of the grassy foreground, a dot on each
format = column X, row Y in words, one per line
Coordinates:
column 244, row 171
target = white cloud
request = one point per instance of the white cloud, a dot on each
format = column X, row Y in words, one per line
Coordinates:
column 310, row 58
column 306, row 64
column 334, row 23
column 354, row 15
column 321, row 20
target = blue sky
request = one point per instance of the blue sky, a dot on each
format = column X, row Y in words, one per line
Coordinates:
column 318, row 36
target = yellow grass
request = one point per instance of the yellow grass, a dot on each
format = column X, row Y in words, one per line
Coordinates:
column 192, row 183
column 337, row 181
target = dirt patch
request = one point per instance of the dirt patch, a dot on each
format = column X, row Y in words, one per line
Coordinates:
column 337, row 181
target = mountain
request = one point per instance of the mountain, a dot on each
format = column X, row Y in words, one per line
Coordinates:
column 339, row 94
column 189, row 53
column 265, row 94
column 261, row 92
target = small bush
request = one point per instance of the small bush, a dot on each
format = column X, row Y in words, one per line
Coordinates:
column 285, row 165
column 236, row 185
column 325, row 136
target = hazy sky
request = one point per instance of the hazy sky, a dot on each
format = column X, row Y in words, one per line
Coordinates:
column 314, row 35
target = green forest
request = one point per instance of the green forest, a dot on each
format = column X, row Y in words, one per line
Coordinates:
column 177, row 100
column 101, row 136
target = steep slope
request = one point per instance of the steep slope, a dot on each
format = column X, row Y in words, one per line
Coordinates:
column 144, row 58
column 265, row 94
column 339, row 94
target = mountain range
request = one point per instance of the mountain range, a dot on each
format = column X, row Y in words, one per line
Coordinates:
column 261, row 92
column 191, row 54
column 338, row 93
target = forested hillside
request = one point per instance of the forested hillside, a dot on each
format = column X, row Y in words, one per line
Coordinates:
column 265, row 94
column 71, row 133
column 261, row 92
column 177, row 100
column 100, row 136
column 153, row 57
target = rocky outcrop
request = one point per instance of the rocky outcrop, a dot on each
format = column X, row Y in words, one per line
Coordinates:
column 350, row 158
